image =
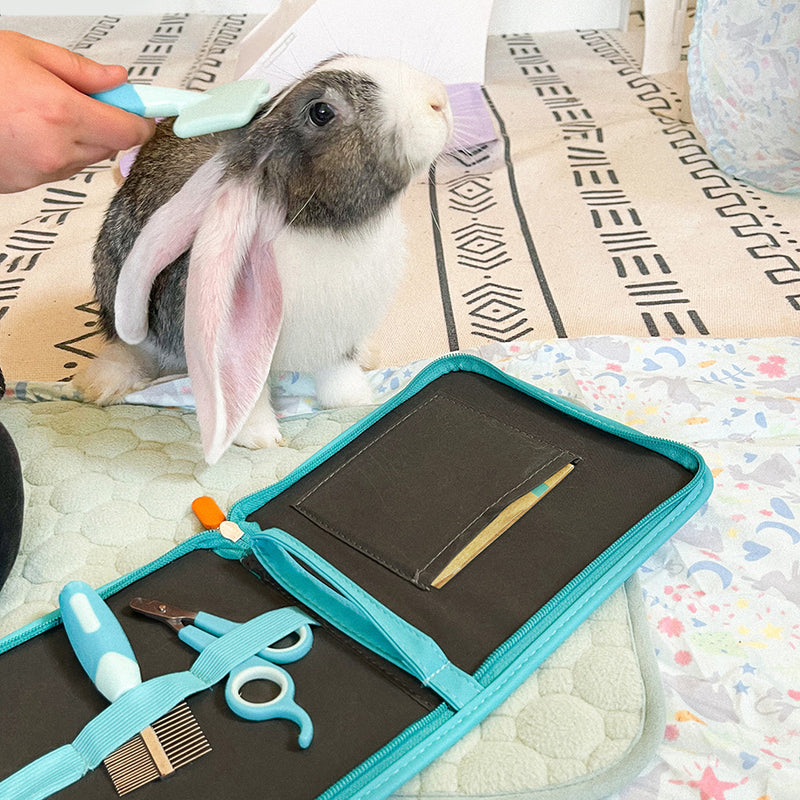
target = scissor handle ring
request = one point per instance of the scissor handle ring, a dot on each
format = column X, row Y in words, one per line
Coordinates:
column 293, row 652
column 257, row 711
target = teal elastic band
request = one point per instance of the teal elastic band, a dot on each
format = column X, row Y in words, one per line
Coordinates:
column 355, row 612
column 45, row 776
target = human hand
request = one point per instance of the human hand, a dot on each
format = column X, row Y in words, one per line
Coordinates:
column 49, row 127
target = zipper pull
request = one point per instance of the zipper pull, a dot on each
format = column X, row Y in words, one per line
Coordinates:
column 211, row 517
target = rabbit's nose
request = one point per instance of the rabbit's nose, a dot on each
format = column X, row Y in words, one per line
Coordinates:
column 437, row 99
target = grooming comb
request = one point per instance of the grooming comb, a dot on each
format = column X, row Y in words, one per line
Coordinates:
column 230, row 105
column 105, row 654
column 498, row 526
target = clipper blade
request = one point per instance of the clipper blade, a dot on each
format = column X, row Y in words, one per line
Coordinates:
column 170, row 743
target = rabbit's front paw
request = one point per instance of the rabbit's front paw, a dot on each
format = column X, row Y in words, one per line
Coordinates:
column 261, row 428
column 255, row 437
column 343, row 385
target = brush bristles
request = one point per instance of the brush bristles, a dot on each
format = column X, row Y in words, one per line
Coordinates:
column 172, row 742
column 180, row 736
column 131, row 766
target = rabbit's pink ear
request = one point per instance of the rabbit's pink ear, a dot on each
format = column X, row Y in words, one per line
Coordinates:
column 166, row 235
column 233, row 310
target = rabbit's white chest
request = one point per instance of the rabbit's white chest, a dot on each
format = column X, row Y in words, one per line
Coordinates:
column 336, row 290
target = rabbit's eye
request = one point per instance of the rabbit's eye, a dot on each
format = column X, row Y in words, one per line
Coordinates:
column 321, row 114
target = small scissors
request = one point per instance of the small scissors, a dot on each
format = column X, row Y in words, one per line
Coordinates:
column 198, row 629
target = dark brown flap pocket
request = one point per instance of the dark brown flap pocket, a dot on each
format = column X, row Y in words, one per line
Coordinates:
column 413, row 499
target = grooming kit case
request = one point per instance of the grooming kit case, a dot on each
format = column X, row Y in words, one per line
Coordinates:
column 355, row 536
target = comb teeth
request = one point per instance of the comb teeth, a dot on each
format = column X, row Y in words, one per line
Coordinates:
column 169, row 744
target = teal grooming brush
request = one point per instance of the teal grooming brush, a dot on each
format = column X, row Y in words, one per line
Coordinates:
column 219, row 109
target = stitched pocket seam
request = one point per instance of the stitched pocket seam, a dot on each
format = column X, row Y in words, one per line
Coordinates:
column 412, row 574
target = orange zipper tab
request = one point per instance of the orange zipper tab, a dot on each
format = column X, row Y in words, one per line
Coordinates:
column 208, row 512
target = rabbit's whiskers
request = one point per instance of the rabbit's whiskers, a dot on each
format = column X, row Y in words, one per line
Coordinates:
column 303, row 207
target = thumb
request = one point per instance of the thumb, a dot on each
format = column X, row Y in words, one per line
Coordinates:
column 81, row 73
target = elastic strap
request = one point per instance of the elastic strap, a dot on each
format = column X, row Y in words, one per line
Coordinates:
column 145, row 703
column 355, row 612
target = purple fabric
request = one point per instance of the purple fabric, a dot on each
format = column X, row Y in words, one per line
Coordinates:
column 471, row 116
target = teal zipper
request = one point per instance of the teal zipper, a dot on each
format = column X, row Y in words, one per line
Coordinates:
column 634, row 543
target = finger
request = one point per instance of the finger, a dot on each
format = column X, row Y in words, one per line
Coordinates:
column 103, row 124
column 81, row 73
column 82, row 156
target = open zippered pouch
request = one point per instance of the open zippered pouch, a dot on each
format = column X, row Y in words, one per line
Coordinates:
column 356, row 536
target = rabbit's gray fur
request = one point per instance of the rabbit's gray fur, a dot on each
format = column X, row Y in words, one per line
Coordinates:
column 335, row 177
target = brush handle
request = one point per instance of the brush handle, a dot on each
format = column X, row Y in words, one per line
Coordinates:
column 98, row 640
column 149, row 101
column 220, row 108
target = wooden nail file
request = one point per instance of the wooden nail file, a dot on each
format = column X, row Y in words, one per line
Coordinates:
column 499, row 525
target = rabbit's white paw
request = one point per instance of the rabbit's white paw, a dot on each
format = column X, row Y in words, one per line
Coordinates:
column 261, row 428
column 343, row 385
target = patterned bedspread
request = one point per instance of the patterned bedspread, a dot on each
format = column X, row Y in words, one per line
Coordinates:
column 597, row 210
column 723, row 594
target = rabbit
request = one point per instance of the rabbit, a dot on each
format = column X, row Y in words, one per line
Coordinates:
column 277, row 246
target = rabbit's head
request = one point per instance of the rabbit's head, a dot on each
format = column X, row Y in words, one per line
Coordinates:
column 339, row 145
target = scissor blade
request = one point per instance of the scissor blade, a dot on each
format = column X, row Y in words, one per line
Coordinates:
column 170, row 615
